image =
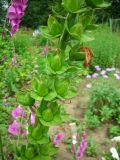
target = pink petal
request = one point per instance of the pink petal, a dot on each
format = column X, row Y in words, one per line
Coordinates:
column 20, row 12
column 17, row 2
column 32, row 118
column 24, row 1
column 12, row 13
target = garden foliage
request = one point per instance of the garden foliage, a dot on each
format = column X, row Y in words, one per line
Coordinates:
column 67, row 32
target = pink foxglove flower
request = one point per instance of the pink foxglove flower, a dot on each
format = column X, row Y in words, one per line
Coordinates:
column 58, row 138
column 18, row 112
column 73, row 150
column 32, row 118
column 79, row 150
column 82, row 146
column 14, row 128
column 15, row 13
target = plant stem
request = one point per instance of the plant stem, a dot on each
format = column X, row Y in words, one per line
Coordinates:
column 1, row 147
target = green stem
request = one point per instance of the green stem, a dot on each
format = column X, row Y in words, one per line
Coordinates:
column 1, row 147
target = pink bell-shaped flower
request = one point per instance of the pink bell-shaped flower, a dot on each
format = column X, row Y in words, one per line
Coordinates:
column 24, row 1
column 17, row 2
column 12, row 13
column 14, row 24
column 20, row 12
column 24, row 7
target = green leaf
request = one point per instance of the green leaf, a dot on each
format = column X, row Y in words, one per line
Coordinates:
column 55, row 63
column 55, row 28
column 40, row 87
column 47, row 115
column 97, row 3
column 50, row 96
column 91, row 27
column 72, row 6
column 29, row 153
column 61, row 86
column 25, row 99
column 70, row 94
column 85, row 38
column 36, row 96
column 76, row 31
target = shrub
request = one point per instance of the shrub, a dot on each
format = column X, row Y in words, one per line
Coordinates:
column 113, row 131
column 92, row 148
column 106, row 48
column 104, row 103
column 92, row 121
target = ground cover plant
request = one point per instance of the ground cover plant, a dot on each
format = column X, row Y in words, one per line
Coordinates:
column 42, row 83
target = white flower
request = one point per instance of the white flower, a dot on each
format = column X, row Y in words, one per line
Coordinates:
column 89, row 86
column 114, row 153
column 103, row 158
column 117, row 139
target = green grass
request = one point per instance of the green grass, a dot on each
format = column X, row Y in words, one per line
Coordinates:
column 106, row 48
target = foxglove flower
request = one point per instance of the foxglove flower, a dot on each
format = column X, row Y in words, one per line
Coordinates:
column 58, row 138
column 18, row 112
column 32, row 118
column 73, row 150
column 14, row 128
column 82, row 146
column 15, row 13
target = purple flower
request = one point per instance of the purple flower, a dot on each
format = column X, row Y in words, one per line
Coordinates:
column 113, row 69
column 103, row 72
column 82, row 146
column 18, row 112
column 73, row 150
column 110, row 69
column 95, row 75
column 97, row 68
column 88, row 76
column 117, row 76
column 14, row 128
column 58, row 138
column 32, row 118
column 15, row 13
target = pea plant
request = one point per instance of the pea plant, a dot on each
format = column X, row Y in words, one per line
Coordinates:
column 68, row 29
